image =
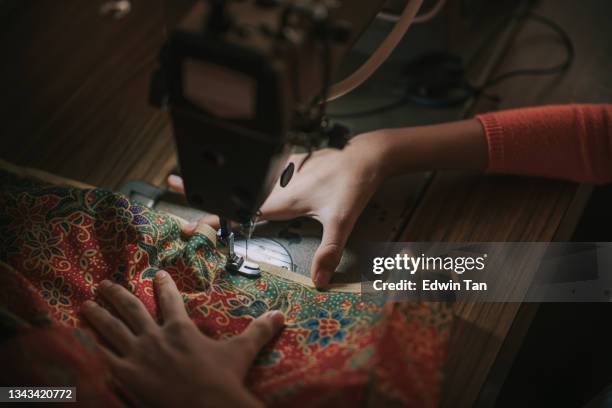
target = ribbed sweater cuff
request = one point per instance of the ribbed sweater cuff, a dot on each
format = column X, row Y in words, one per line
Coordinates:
column 495, row 140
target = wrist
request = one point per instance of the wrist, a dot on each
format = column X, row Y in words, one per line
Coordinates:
column 395, row 151
column 391, row 151
column 374, row 149
column 455, row 145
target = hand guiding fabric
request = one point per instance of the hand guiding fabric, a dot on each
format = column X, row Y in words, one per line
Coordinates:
column 173, row 363
column 333, row 187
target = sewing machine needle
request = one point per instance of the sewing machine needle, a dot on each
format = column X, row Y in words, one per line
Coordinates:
column 249, row 227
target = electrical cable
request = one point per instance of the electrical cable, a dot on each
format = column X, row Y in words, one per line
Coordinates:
column 569, row 58
column 479, row 90
column 379, row 56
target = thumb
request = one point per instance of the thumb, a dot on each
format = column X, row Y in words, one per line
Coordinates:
column 329, row 253
column 258, row 333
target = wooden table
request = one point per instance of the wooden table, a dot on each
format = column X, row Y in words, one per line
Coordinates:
column 474, row 207
column 59, row 96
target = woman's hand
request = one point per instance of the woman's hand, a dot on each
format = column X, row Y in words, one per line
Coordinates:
column 174, row 364
column 333, row 187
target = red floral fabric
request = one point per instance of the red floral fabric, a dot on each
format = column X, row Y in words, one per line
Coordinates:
column 57, row 244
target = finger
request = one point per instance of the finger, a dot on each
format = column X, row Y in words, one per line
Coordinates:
column 281, row 206
column 249, row 343
column 128, row 306
column 111, row 329
column 112, row 359
column 190, row 228
column 278, row 212
column 213, row 221
column 170, row 300
column 175, row 183
column 327, row 257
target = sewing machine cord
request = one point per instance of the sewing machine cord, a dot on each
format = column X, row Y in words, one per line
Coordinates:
column 480, row 90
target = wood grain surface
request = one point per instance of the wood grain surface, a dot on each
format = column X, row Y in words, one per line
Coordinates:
column 472, row 207
column 75, row 81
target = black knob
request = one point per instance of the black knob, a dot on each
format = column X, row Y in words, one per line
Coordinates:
column 287, row 174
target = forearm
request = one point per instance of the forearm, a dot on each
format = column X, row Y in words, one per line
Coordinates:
column 454, row 145
column 572, row 142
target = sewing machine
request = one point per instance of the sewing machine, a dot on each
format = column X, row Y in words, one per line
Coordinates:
column 244, row 82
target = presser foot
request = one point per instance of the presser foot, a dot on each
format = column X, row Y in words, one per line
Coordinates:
column 250, row 270
column 235, row 263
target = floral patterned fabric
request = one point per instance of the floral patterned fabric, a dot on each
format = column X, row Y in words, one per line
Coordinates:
column 57, row 244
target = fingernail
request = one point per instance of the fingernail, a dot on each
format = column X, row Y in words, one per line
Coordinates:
column 319, row 281
column 191, row 225
column 173, row 178
column 105, row 284
column 161, row 274
column 315, row 277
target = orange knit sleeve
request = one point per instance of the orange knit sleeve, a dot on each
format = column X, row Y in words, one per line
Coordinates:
column 572, row 142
